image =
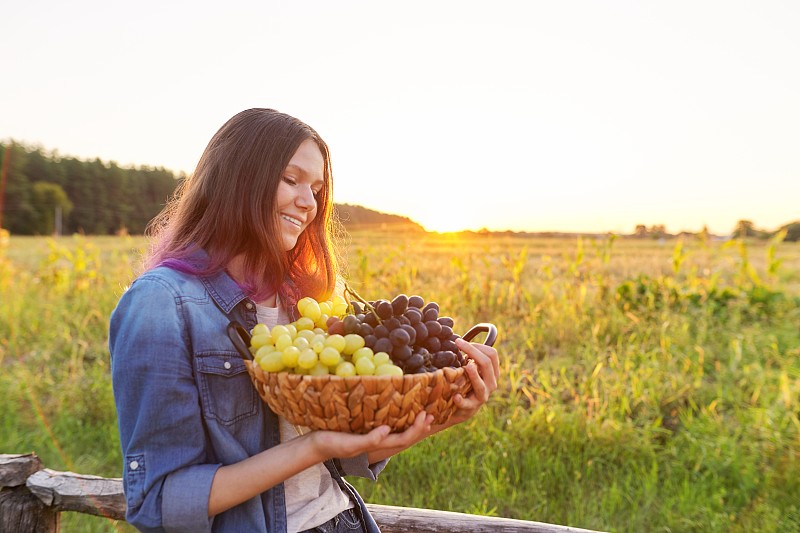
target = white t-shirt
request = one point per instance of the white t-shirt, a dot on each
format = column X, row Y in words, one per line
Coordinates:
column 312, row 496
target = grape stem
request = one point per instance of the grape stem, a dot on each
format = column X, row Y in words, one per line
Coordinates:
column 348, row 291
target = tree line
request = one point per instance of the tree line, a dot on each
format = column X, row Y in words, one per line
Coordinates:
column 93, row 197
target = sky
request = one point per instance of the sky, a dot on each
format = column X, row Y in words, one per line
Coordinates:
column 506, row 115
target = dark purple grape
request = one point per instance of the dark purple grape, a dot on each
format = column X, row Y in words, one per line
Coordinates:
column 384, row 309
column 413, row 315
column 414, row 362
column 400, row 304
column 431, row 305
column 357, row 309
column 401, row 353
column 399, row 337
column 422, row 332
column 371, row 319
column 381, row 331
column 351, row 324
column 430, row 314
column 446, row 333
column 364, row 330
column 337, row 328
column 433, row 344
column 412, row 333
column 442, row 359
column 446, row 321
column 403, row 320
column 416, row 301
column 370, row 340
column 434, row 328
column 392, row 323
column 383, row 345
column 449, row 346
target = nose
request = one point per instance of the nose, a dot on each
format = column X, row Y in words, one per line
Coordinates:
column 305, row 199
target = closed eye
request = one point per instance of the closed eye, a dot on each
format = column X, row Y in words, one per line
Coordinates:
column 289, row 180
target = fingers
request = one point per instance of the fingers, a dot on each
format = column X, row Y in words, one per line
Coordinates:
column 487, row 362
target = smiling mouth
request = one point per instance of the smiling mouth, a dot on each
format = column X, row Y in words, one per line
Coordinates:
column 292, row 220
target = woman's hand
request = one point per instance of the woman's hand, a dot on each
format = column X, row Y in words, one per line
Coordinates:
column 483, row 375
column 378, row 444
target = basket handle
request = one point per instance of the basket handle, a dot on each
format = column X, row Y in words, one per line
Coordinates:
column 240, row 338
column 483, row 327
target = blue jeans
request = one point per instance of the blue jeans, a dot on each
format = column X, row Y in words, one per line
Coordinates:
column 347, row 521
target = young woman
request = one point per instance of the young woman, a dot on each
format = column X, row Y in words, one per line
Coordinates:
column 246, row 236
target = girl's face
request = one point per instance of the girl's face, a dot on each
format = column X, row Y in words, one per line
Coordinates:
column 300, row 184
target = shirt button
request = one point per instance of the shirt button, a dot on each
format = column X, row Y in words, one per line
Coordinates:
column 249, row 306
column 227, row 365
column 134, row 465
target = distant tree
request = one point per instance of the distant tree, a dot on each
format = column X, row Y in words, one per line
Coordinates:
column 640, row 231
column 792, row 231
column 746, row 228
column 47, row 197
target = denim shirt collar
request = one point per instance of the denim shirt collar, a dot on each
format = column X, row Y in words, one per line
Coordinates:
column 222, row 288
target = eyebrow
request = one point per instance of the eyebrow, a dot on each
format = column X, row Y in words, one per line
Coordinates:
column 304, row 173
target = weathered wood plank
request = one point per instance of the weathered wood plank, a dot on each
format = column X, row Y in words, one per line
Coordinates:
column 68, row 491
column 407, row 519
column 21, row 511
column 15, row 469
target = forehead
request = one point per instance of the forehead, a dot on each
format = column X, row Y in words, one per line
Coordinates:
column 308, row 161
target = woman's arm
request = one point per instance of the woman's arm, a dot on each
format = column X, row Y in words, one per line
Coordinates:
column 236, row 483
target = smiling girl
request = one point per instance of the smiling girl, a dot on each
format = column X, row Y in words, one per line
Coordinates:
column 246, row 236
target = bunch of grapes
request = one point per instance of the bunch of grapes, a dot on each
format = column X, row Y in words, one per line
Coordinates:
column 410, row 331
column 305, row 347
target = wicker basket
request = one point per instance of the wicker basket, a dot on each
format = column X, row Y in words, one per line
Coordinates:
column 359, row 404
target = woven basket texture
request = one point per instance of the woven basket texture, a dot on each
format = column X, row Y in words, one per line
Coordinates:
column 359, row 404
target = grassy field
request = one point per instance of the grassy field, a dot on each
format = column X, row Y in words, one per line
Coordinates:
column 647, row 385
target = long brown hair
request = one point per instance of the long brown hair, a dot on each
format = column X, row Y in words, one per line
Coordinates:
column 227, row 208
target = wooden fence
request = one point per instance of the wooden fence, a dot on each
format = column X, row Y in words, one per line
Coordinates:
column 31, row 498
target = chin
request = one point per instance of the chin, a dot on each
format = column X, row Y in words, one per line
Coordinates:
column 289, row 243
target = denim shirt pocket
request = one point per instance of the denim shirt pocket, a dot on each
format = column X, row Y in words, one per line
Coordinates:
column 133, row 479
column 227, row 394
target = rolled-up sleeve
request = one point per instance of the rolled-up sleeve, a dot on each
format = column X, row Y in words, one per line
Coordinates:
column 167, row 476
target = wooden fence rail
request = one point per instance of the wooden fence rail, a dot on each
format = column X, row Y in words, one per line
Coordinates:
column 31, row 498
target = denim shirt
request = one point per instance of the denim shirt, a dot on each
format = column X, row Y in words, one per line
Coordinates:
column 186, row 406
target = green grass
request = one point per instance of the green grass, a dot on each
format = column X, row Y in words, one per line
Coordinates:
column 646, row 386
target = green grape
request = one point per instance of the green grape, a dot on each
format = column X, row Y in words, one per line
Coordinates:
column 345, row 369
column 292, row 330
column 261, row 339
column 329, row 356
column 264, row 350
column 352, row 343
column 319, row 370
column 259, row 329
column 290, row 355
column 311, row 310
column 301, row 342
column 365, row 367
column 307, row 359
column 283, row 341
column 279, row 330
column 381, row 358
column 362, row 352
column 304, row 323
column 388, row 369
column 326, row 308
column 272, row 362
column 322, row 321
column 301, row 304
column 306, row 334
column 336, row 341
